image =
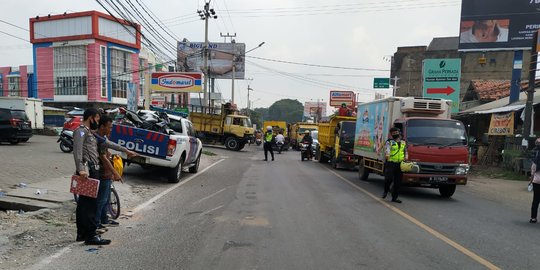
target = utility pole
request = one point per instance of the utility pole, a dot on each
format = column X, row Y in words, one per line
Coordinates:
column 204, row 15
column 248, row 104
column 530, row 92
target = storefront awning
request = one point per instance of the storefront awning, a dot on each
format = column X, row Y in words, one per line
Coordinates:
column 509, row 108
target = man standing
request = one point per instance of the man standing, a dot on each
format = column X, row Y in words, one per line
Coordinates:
column 85, row 153
column 268, row 138
column 395, row 152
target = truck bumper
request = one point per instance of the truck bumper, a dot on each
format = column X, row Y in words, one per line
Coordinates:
column 433, row 180
column 146, row 160
column 348, row 160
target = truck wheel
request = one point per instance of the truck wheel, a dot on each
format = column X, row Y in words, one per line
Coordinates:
column 241, row 146
column 195, row 168
column 232, row 144
column 447, row 191
column 24, row 140
column 14, row 141
column 176, row 173
column 363, row 172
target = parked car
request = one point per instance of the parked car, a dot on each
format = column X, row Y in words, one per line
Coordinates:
column 14, row 126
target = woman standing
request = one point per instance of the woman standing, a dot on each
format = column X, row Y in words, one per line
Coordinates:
column 535, row 181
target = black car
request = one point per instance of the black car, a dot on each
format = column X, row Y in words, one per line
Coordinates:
column 14, row 126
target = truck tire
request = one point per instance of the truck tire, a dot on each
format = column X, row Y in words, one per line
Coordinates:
column 195, row 167
column 14, row 141
column 241, row 146
column 447, row 191
column 176, row 173
column 363, row 172
column 232, row 144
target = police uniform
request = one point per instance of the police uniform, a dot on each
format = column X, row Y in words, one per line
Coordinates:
column 268, row 137
column 396, row 152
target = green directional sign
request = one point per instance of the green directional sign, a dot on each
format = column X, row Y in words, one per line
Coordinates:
column 441, row 79
column 381, row 83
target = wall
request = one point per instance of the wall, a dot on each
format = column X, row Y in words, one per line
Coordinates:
column 44, row 70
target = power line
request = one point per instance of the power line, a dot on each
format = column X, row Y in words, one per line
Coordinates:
column 316, row 65
column 14, row 36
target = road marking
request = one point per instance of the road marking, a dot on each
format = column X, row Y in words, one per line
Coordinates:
column 210, row 211
column 165, row 192
column 418, row 223
column 209, row 196
column 48, row 260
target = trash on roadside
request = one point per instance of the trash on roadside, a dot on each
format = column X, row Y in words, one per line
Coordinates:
column 22, row 185
column 2, row 194
column 92, row 250
column 21, row 211
column 38, row 192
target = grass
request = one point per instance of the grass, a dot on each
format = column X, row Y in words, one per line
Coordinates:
column 499, row 173
column 208, row 153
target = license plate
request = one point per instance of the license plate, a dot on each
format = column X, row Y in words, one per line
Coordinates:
column 438, row 178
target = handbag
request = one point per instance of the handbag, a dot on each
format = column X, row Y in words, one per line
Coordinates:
column 84, row 186
column 118, row 164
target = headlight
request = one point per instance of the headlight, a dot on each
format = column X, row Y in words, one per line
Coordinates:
column 462, row 169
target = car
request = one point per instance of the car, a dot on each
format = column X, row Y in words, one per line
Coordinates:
column 14, row 126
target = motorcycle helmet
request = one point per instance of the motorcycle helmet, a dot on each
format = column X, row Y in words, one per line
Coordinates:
column 306, row 132
column 269, row 128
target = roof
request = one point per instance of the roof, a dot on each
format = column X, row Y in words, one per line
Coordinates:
column 489, row 90
column 444, row 44
column 502, row 105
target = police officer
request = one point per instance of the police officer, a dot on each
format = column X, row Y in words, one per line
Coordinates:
column 395, row 152
column 268, row 138
column 85, row 153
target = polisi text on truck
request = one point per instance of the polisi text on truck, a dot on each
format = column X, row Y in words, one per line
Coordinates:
column 147, row 149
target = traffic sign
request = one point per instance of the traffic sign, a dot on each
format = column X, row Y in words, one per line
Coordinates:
column 441, row 79
column 381, row 82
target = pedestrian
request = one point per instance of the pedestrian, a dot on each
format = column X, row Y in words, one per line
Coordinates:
column 86, row 158
column 268, row 139
column 395, row 153
column 280, row 141
column 107, row 173
column 535, row 181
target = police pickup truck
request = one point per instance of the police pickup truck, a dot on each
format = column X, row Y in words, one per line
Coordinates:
column 176, row 151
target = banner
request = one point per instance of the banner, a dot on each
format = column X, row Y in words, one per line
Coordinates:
column 312, row 108
column 221, row 58
column 339, row 97
column 501, row 124
column 176, row 82
column 498, row 24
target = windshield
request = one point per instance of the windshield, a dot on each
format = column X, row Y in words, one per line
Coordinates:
column 348, row 129
column 246, row 122
column 436, row 132
column 19, row 115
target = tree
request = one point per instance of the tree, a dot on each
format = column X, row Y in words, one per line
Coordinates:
column 254, row 116
column 288, row 110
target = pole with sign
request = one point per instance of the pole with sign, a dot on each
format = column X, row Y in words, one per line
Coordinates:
column 441, row 79
column 379, row 83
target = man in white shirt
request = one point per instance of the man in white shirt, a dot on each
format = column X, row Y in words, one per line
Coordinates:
column 484, row 31
column 280, row 141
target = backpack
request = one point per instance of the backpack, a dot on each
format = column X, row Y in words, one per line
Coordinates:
column 536, row 159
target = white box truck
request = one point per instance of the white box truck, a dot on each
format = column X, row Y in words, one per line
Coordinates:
column 32, row 106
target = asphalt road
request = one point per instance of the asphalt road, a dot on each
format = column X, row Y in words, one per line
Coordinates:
column 244, row 213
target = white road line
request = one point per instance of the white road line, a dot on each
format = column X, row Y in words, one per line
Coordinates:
column 421, row 225
column 165, row 192
column 49, row 259
column 210, row 211
column 209, row 196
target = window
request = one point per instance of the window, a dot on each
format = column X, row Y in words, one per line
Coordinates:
column 1, row 86
column 121, row 73
column 103, row 65
column 70, row 75
column 13, row 86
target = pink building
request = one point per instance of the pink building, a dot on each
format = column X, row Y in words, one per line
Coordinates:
column 85, row 59
column 17, row 81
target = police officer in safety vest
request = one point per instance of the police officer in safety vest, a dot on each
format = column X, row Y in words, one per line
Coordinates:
column 395, row 152
column 268, row 138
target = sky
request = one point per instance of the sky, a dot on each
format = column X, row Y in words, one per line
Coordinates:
column 360, row 35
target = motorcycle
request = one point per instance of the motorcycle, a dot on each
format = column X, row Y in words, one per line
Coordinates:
column 279, row 146
column 145, row 119
column 258, row 141
column 66, row 141
column 305, row 151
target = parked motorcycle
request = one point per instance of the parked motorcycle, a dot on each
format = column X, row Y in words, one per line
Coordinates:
column 66, row 141
column 144, row 119
column 305, row 151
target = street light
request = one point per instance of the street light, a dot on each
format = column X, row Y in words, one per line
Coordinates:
column 204, row 14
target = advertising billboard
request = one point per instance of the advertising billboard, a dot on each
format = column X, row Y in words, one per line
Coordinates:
column 371, row 128
column 176, row 82
column 498, row 24
column 339, row 97
column 441, row 79
column 312, row 107
column 221, row 58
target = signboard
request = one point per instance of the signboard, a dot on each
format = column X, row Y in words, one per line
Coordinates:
column 142, row 141
column 176, row 82
column 501, row 124
column 311, row 108
column 132, row 97
column 371, row 128
column 339, row 97
column 498, row 24
column 441, row 79
column 221, row 58
column 158, row 101
column 381, row 83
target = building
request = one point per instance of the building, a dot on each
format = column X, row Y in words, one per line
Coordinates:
column 17, row 81
column 85, row 59
column 490, row 65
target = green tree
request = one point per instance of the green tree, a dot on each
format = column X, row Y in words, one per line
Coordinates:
column 288, row 110
column 254, row 115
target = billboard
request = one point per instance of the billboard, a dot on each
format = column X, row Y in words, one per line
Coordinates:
column 176, row 82
column 339, row 97
column 312, row 107
column 221, row 58
column 441, row 79
column 371, row 128
column 498, row 24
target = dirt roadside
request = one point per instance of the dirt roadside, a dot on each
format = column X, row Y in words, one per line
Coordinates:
column 44, row 232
